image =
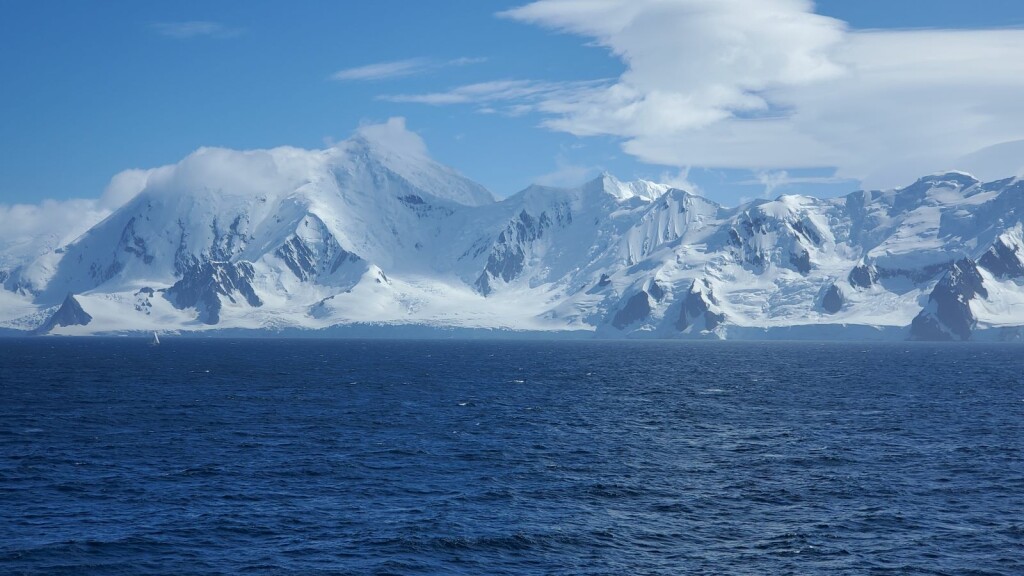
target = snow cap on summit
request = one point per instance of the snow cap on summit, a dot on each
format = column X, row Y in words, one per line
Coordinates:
column 623, row 191
column 392, row 136
column 403, row 152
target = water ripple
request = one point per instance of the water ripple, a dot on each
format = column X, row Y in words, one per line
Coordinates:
column 358, row 457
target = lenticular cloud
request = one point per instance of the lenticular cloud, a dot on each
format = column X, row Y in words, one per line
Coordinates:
column 769, row 84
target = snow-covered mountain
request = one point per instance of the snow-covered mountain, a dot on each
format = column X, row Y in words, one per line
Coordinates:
column 374, row 232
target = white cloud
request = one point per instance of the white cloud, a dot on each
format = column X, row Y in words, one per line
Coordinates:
column 123, row 187
column 510, row 97
column 31, row 230
column 567, row 174
column 195, row 29
column 465, row 61
column 990, row 163
column 382, row 70
column 394, row 137
column 773, row 180
column 769, row 85
column 680, row 180
column 400, row 68
column 690, row 63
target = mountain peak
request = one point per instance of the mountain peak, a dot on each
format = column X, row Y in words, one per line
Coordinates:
column 401, row 151
column 623, row 191
column 962, row 179
column 390, row 138
column 373, row 231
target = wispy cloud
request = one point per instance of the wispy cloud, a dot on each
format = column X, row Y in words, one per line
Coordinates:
column 382, row 70
column 770, row 86
column 195, row 29
column 509, row 97
column 400, row 68
column 466, row 61
column 774, row 180
column 31, row 230
column 567, row 174
column 680, row 180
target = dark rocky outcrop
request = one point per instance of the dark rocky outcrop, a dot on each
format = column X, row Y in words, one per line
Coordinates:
column 508, row 255
column 70, row 313
column 748, row 242
column 203, row 285
column 833, row 300
column 801, row 261
column 867, row 275
column 863, row 276
column 298, row 257
column 227, row 243
column 1003, row 260
column 948, row 315
column 134, row 244
column 753, row 234
column 315, row 253
column 604, row 281
column 143, row 300
column 656, row 291
column 807, row 230
column 637, row 308
column 422, row 208
column 11, row 280
column 308, row 263
column 697, row 304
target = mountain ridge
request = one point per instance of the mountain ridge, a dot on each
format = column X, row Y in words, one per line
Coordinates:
column 373, row 232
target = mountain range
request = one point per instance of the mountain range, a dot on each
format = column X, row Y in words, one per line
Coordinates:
column 367, row 235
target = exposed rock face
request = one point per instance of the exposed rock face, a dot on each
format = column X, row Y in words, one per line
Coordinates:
column 318, row 228
column 863, row 276
column 801, row 262
column 806, row 230
column 508, row 255
column 422, row 208
column 203, row 286
column 759, row 238
column 10, row 280
column 1003, row 259
column 70, row 313
column 134, row 244
column 637, row 308
column 696, row 305
column 313, row 252
column 656, row 291
column 948, row 315
column 833, row 300
column 144, row 300
column 603, row 282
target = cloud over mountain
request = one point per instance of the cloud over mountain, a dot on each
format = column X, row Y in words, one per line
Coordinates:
column 771, row 85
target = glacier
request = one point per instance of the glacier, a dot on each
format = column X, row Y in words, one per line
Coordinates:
column 367, row 235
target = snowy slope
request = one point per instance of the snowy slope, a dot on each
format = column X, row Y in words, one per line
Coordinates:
column 372, row 231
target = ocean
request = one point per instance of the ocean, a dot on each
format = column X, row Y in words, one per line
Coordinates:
column 217, row 456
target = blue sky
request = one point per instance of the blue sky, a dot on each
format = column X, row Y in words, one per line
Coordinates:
column 94, row 88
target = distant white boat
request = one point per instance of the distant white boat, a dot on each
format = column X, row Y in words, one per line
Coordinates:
column 155, row 341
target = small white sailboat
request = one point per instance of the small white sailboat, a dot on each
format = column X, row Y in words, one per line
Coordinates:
column 155, row 341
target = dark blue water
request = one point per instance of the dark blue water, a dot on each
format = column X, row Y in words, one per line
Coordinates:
column 334, row 457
